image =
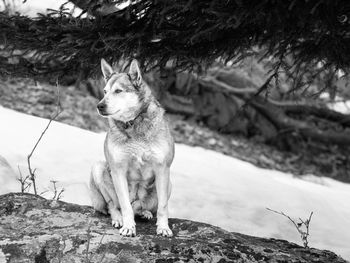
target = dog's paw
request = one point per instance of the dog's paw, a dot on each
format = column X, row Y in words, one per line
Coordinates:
column 164, row 231
column 128, row 229
column 147, row 214
column 117, row 222
column 117, row 219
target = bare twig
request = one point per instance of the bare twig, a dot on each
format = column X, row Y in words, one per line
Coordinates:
column 99, row 245
column 23, row 181
column 43, row 192
column 58, row 112
column 119, row 254
column 226, row 87
column 263, row 87
column 88, row 233
column 304, row 234
column 54, row 189
column 57, row 194
column 104, row 253
column 60, row 194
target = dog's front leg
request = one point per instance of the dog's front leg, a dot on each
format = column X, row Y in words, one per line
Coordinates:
column 119, row 178
column 162, row 185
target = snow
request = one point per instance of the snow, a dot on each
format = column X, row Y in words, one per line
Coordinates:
column 338, row 104
column 207, row 186
column 33, row 7
column 342, row 106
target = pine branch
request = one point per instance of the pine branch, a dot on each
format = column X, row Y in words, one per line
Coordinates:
column 189, row 34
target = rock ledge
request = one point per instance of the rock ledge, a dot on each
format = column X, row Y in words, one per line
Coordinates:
column 33, row 229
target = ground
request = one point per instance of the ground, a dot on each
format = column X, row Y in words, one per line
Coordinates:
column 54, row 231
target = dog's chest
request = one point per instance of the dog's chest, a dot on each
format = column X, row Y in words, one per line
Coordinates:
column 140, row 154
column 140, row 168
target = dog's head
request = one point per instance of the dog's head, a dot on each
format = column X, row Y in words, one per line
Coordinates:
column 124, row 92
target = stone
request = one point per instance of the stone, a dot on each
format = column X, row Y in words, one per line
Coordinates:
column 33, row 229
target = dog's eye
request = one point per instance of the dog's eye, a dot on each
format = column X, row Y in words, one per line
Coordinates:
column 118, row 91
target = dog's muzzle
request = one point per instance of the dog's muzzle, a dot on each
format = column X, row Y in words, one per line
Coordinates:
column 101, row 107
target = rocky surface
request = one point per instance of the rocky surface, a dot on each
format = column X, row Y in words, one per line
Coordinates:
column 33, row 229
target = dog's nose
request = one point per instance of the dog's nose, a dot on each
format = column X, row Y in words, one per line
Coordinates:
column 101, row 106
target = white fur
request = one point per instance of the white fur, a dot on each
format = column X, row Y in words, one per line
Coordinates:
column 135, row 177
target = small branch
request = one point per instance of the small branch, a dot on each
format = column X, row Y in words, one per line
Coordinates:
column 54, row 189
column 20, row 179
column 58, row 112
column 99, row 245
column 303, row 234
column 43, row 192
column 60, row 194
column 88, row 232
column 264, row 87
column 283, row 214
column 23, row 181
column 217, row 83
column 57, row 195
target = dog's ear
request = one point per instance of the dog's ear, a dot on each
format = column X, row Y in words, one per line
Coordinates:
column 107, row 70
column 135, row 72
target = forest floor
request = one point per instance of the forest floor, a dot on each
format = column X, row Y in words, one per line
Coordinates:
column 79, row 109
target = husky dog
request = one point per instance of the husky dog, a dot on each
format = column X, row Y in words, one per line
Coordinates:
column 139, row 149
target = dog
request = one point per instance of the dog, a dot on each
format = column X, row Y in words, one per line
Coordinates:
column 139, row 150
